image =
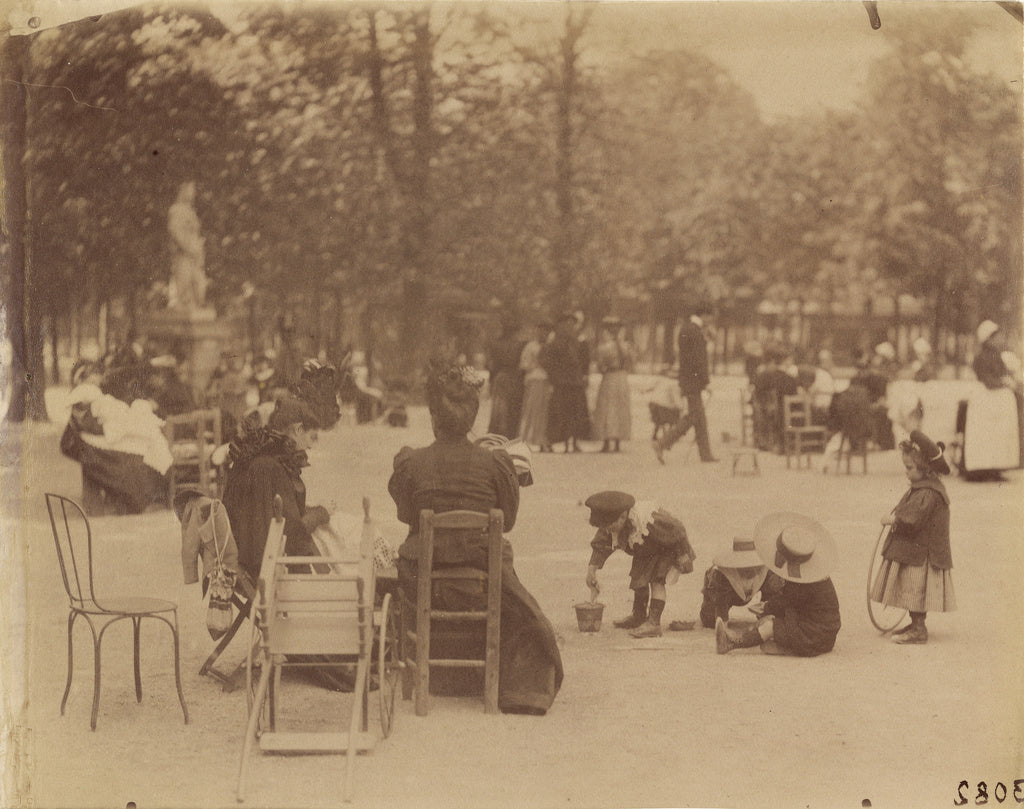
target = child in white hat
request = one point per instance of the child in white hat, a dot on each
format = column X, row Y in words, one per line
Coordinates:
column 802, row 617
column 733, row 580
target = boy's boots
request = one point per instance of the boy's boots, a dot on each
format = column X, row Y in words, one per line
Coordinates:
column 726, row 641
column 651, row 628
column 639, row 610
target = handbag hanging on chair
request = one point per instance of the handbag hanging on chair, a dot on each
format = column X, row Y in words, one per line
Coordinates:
column 221, row 586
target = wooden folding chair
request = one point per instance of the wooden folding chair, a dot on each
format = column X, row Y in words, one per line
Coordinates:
column 418, row 636
column 310, row 614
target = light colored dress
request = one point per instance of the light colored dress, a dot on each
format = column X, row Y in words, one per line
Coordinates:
column 612, row 411
column 533, row 425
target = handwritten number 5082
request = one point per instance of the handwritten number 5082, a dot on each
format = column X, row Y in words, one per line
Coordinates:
column 998, row 792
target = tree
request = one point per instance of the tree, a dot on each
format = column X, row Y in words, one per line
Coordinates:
column 20, row 311
column 941, row 191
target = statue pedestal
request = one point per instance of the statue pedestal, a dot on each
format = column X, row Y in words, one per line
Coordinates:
column 199, row 336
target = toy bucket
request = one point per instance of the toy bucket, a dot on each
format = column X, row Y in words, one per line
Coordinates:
column 588, row 615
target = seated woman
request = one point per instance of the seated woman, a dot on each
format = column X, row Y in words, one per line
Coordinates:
column 454, row 473
column 268, row 461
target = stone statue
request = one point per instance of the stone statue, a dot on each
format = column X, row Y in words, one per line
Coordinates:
column 187, row 288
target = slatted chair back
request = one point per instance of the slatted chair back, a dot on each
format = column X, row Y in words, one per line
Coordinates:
column 796, row 412
column 427, row 615
column 800, row 435
column 192, row 438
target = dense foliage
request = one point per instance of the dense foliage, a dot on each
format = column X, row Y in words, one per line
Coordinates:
column 376, row 172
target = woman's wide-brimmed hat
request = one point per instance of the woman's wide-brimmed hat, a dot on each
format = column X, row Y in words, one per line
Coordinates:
column 742, row 554
column 795, row 547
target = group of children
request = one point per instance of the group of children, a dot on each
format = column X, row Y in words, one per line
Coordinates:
column 782, row 574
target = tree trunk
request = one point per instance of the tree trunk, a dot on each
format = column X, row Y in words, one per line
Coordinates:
column 28, row 385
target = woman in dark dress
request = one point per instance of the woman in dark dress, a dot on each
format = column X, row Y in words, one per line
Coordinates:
column 454, row 473
column 268, row 461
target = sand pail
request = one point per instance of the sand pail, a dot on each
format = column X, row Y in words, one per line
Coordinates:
column 588, row 615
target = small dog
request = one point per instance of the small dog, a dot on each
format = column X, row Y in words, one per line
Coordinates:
column 663, row 417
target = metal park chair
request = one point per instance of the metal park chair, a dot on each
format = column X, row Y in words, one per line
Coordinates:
column 73, row 537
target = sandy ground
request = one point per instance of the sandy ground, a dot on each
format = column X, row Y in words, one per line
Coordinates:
column 651, row 723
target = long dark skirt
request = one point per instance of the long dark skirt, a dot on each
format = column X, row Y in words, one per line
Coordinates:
column 568, row 416
column 530, row 672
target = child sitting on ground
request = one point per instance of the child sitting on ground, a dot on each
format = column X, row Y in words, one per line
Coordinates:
column 801, row 618
column 733, row 580
column 658, row 544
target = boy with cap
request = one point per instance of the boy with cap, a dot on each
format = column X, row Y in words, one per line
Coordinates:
column 733, row 580
column 658, row 544
column 802, row 617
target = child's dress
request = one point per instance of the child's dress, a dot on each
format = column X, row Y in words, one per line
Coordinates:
column 917, row 560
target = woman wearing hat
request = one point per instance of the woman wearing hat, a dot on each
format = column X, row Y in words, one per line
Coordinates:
column 917, row 560
column 802, row 617
column 658, row 544
column 733, row 580
column 614, row 361
column 268, row 461
column 988, row 363
column 454, row 473
column 562, row 358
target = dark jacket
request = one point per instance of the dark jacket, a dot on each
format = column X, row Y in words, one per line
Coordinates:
column 453, row 474
column 989, row 367
column 920, row 533
column 806, row 617
column 563, row 362
column 249, row 500
column 664, row 546
column 693, row 358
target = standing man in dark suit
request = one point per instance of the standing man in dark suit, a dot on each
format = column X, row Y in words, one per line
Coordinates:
column 693, row 378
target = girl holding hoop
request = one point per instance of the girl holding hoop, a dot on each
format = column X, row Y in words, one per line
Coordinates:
column 916, row 558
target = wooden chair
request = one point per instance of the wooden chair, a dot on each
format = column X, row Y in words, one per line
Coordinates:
column 430, row 621
column 799, row 435
column 73, row 537
column 192, row 438
column 302, row 617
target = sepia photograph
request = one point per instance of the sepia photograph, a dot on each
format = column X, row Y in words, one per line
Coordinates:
column 511, row 405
